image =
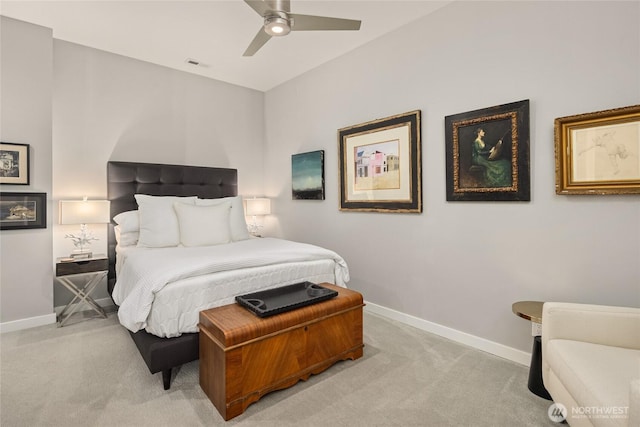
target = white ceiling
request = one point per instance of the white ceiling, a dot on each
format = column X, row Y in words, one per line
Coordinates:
column 215, row 32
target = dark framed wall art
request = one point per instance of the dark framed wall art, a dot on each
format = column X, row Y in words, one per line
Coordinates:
column 487, row 154
column 307, row 176
column 381, row 165
column 14, row 163
column 598, row 153
column 23, row 210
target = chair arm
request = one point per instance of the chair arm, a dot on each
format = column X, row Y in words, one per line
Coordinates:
column 598, row 324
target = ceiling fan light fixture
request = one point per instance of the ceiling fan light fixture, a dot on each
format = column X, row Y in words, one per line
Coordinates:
column 276, row 26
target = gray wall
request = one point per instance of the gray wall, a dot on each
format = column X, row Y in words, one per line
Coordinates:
column 462, row 264
column 25, row 96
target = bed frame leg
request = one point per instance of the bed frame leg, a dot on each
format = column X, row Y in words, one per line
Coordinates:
column 166, row 378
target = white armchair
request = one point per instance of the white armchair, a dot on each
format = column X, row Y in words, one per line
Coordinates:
column 591, row 362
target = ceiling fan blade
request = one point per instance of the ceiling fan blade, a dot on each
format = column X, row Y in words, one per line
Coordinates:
column 322, row 23
column 258, row 41
column 259, row 6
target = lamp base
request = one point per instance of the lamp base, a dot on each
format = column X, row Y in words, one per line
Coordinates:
column 81, row 254
column 254, row 228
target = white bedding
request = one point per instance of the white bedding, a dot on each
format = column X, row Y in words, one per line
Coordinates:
column 162, row 290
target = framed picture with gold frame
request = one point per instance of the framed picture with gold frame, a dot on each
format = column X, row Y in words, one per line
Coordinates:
column 599, row 152
column 487, row 154
column 381, row 165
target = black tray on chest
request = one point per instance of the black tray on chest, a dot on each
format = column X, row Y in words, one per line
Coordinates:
column 286, row 298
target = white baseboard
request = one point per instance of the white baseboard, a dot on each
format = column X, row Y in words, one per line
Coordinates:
column 48, row 319
column 500, row 350
column 31, row 322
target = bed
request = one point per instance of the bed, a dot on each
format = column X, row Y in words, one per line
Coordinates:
column 160, row 285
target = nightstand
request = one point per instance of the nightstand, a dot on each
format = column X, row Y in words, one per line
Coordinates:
column 91, row 271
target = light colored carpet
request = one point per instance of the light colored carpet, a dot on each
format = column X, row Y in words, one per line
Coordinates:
column 91, row 374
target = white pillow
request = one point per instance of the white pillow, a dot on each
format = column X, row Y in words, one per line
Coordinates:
column 236, row 219
column 126, row 239
column 128, row 221
column 203, row 225
column 158, row 221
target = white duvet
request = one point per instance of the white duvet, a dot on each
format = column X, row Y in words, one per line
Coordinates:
column 163, row 290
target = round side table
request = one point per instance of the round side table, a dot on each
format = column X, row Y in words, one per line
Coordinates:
column 532, row 311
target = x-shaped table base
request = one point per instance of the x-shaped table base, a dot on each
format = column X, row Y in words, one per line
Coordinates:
column 81, row 294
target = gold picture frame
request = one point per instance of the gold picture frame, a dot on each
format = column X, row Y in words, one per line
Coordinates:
column 487, row 154
column 598, row 153
column 381, row 165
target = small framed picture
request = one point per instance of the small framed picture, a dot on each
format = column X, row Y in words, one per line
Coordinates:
column 598, row 153
column 14, row 163
column 488, row 154
column 381, row 165
column 307, row 176
column 23, row 210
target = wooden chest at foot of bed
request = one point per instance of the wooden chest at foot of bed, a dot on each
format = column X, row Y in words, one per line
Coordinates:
column 243, row 357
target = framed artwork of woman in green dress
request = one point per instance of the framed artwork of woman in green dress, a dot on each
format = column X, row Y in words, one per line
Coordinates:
column 488, row 154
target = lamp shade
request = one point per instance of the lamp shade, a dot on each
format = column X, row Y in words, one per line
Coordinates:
column 258, row 206
column 84, row 211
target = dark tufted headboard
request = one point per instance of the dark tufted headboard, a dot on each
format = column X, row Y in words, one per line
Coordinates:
column 125, row 179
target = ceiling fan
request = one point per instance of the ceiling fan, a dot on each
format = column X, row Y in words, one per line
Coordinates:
column 279, row 21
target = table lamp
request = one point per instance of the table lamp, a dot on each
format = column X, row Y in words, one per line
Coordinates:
column 83, row 212
column 254, row 207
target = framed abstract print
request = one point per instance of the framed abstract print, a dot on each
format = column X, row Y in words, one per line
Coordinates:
column 487, row 154
column 381, row 165
column 598, row 153
column 307, row 176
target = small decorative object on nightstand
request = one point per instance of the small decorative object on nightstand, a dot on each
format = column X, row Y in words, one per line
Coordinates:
column 92, row 271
